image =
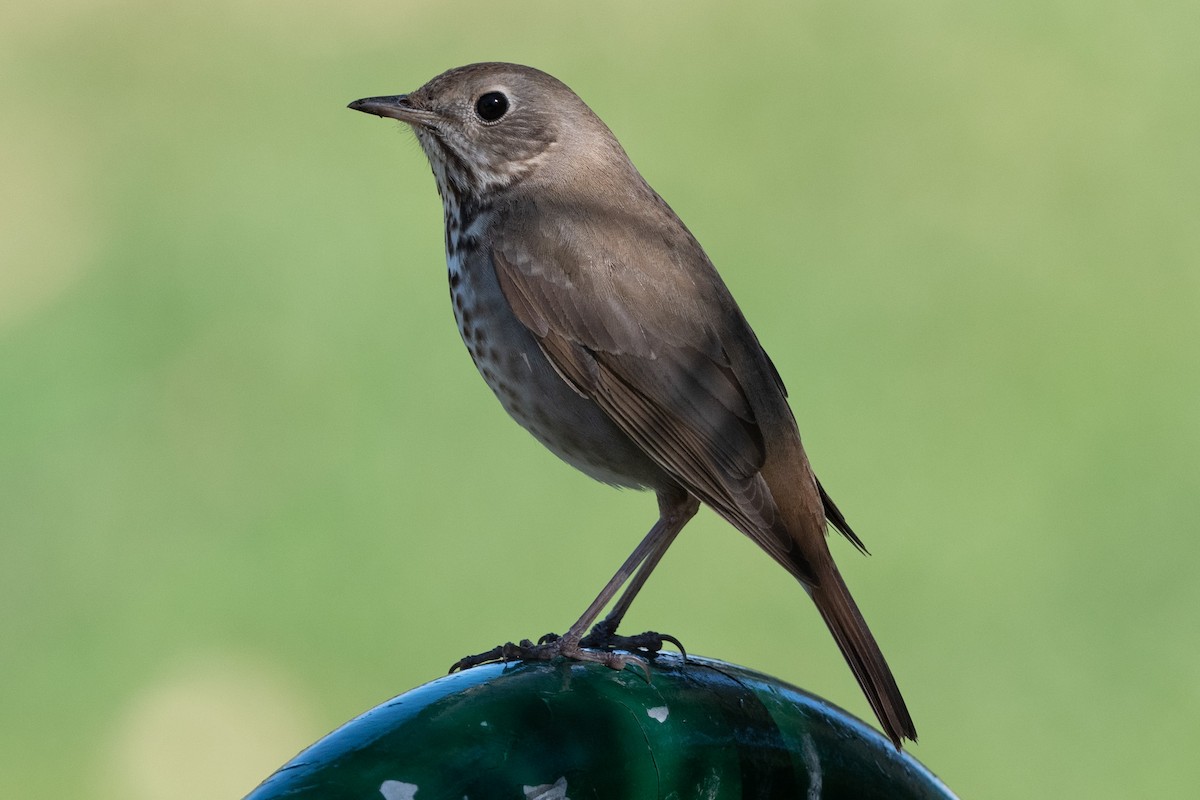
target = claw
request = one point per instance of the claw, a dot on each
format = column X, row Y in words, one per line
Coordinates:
column 612, row 660
column 602, row 637
column 467, row 662
column 502, row 653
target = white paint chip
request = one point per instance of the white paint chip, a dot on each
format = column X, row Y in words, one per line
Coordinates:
column 659, row 713
column 398, row 790
column 548, row 791
column 812, row 761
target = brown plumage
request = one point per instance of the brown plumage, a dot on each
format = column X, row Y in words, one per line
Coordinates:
column 603, row 328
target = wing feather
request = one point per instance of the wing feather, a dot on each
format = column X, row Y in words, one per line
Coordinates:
column 623, row 322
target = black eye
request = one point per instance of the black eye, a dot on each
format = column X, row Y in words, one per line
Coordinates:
column 491, row 106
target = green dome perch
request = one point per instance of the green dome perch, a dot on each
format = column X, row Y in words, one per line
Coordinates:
column 560, row 730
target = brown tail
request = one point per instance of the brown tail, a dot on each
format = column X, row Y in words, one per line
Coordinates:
column 863, row 655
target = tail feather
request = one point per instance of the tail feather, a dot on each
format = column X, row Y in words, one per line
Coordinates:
column 858, row 646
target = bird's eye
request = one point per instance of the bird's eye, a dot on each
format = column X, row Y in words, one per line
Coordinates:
column 491, row 106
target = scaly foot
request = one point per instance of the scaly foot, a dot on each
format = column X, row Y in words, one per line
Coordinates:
column 604, row 636
column 552, row 646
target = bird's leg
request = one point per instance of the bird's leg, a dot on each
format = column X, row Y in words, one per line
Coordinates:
column 675, row 510
column 603, row 634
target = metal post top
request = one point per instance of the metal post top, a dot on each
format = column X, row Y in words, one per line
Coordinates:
column 700, row 729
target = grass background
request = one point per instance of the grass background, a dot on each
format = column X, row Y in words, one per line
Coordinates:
column 250, row 484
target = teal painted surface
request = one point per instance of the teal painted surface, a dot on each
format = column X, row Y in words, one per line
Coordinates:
column 570, row 730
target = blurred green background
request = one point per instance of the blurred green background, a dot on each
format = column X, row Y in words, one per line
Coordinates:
column 251, row 485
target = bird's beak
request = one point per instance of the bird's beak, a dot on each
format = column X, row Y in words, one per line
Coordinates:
column 396, row 107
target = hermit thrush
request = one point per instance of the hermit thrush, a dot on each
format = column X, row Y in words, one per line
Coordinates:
column 604, row 330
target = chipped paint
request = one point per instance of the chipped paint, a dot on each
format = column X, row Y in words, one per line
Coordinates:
column 812, row 760
column 547, row 791
column 398, row 790
column 659, row 713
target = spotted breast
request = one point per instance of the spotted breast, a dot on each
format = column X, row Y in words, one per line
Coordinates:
column 518, row 372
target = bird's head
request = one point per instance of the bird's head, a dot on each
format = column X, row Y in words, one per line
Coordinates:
column 488, row 126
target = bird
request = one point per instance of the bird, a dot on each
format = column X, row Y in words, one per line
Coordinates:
column 603, row 328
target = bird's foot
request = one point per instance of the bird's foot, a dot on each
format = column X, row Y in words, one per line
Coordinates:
column 502, row 653
column 604, row 636
column 552, row 646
